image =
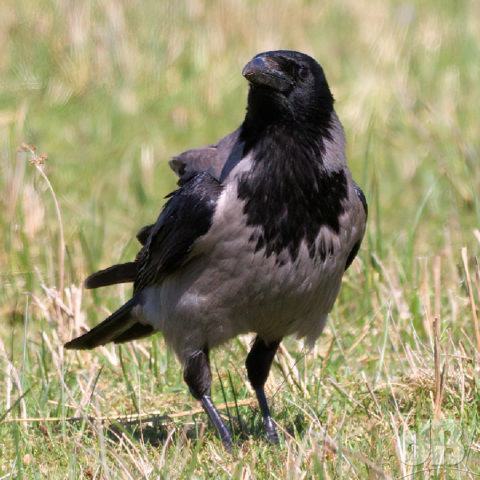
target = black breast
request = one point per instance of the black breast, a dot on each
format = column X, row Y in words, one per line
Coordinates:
column 290, row 195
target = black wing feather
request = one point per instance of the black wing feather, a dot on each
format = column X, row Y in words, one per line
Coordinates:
column 187, row 215
column 144, row 233
column 362, row 198
column 121, row 273
column 115, row 325
column 356, row 247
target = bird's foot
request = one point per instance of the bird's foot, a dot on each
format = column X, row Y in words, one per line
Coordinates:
column 271, row 430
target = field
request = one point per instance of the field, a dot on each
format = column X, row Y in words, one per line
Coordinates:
column 95, row 97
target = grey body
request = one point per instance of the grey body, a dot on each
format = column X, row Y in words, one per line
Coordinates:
column 217, row 295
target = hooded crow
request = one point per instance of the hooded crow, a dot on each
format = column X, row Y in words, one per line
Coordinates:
column 256, row 238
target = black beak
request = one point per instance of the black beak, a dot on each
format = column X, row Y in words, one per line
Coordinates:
column 264, row 71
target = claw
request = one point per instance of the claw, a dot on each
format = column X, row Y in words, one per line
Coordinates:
column 271, row 430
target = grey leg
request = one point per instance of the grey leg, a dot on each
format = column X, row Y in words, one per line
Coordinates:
column 258, row 364
column 198, row 377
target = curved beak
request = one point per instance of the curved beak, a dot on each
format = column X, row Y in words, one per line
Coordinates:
column 264, row 71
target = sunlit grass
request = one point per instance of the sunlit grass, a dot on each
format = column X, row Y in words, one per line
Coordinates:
column 109, row 91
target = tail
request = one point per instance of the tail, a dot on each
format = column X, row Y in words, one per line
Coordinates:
column 121, row 273
column 120, row 326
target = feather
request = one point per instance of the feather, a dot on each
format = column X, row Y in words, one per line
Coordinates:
column 120, row 273
column 144, row 233
column 136, row 331
column 211, row 158
column 108, row 331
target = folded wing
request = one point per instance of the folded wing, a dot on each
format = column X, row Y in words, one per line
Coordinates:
column 187, row 215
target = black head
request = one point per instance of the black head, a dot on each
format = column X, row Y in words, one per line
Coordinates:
column 289, row 192
column 287, row 87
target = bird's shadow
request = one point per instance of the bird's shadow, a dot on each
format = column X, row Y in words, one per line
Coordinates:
column 157, row 429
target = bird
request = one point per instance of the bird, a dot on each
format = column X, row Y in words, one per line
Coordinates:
column 256, row 238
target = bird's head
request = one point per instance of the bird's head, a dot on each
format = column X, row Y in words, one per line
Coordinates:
column 287, row 86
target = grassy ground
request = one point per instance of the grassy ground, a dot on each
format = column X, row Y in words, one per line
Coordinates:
column 109, row 90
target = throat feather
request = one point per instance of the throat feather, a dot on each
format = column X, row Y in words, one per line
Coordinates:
column 289, row 195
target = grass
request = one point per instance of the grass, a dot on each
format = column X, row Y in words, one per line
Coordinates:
column 109, row 91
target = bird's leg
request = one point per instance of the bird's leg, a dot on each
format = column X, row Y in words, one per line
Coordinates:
column 198, row 377
column 258, row 364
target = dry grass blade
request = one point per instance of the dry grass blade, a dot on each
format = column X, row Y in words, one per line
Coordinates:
column 350, row 398
column 439, row 374
column 38, row 161
column 327, row 356
column 13, row 378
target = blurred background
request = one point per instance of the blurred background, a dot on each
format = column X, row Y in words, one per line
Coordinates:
column 109, row 90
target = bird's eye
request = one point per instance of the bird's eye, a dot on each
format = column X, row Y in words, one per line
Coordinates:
column 303, row 73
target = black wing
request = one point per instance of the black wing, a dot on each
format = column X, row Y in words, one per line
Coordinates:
column 362, row 198
column 356, row 247
column 187, row 215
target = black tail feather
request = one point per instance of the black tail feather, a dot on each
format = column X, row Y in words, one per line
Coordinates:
column 136, row 331
column 121, row 273
column 109, row 330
